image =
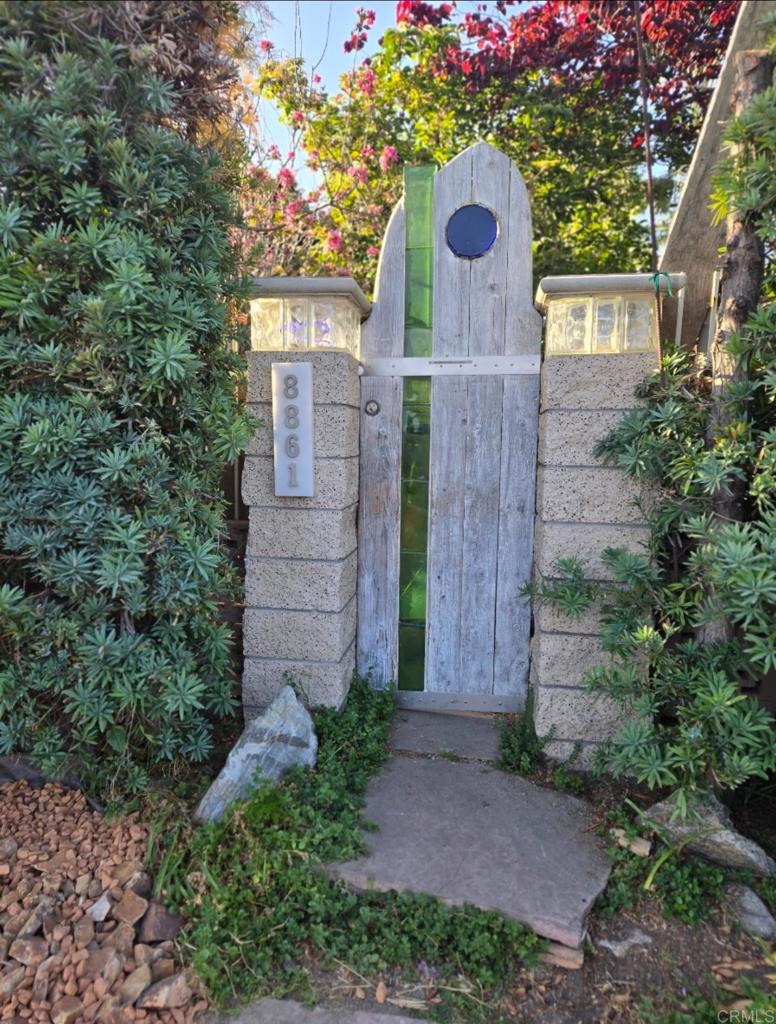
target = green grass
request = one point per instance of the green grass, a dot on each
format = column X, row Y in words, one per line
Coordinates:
column 260, row 910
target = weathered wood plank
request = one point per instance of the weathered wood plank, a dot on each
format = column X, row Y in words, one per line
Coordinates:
column 520, row 427
column 380, row 488
column 488, row 289
column 446, row 524
column 515, row 534
column 449, row 427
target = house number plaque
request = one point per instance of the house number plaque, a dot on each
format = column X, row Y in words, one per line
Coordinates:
column 292, row 426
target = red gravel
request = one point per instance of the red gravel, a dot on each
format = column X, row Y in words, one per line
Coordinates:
column 59, row 860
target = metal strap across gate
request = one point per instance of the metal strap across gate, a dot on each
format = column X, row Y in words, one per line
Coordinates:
column 476, row 366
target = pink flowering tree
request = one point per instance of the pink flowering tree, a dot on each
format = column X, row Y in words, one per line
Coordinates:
column 554, row 86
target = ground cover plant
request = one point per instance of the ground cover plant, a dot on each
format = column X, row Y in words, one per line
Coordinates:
column 118, row 409
column 262, row 913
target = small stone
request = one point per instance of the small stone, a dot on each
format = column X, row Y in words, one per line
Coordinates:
column 104, row 963
column 130, row 908
column 83, row 931
column 142, row 953
column 164, row 968
column 29, row 950
column 711, row 835
column 40, row 985
column 82, row 883
column 8, row 848
column 10, row 979
column 159, row 925
column 166, row 994
column 67, row 1010
column 621, row 948
column 134, row 985
column 563, row 956
column 100, row 910
column 5, row 870
column 141, row 884
column 751, row 913
column 122, row 939
column 282, row 736
column 94, row 889
column 126, row 870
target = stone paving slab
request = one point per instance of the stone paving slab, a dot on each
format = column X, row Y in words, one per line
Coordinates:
column 468, row 833
column 287, row 1011
column 428, row 732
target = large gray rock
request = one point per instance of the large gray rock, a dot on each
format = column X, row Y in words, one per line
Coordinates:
column 713, row 836
column 751, row 913
column 281, row 737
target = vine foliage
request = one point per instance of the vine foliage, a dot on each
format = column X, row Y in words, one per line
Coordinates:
column 693, row 725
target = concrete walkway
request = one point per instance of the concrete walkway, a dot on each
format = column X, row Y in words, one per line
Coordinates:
column 467, row 833
column 287, row 1011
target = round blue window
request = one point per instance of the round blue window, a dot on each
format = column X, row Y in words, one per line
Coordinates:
column 471, row 231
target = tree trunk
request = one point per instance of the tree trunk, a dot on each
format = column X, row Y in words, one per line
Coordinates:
column 739, row 294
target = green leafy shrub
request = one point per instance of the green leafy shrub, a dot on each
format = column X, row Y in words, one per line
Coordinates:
column 259, row 905
column 117, row 411
column 692, row 728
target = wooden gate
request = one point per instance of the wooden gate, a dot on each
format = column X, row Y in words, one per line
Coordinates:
column 450, row 524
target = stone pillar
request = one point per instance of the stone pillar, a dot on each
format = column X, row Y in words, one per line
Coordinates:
column 299, row 623
column 582, row 508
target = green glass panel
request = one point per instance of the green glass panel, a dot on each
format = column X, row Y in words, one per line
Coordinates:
column 412, row 589
column 416, row 424
column 417, row 341
column 414, row 456
column 417, row 390
column 418, row 287
column 412, row 655
column 416, row 419
column 414, row 516
column 419, row 207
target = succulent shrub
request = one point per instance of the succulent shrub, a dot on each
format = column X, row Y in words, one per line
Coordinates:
column 118, row 370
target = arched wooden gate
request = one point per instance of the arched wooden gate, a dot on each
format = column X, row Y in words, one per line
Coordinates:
column 449, row 411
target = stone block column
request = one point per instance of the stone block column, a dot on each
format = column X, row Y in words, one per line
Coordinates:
column 582, row 508
column 299, row 623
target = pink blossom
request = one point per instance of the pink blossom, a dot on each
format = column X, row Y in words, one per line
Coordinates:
column 273, row 152
column 293, row 209
column 387, row 157
column 359, row 173
column 297, row 117
column 366, row 81
column 334, row 241
column 373, row 251
column 265, row 45
column 367, row 152
column 286, row 178
column 342, row 272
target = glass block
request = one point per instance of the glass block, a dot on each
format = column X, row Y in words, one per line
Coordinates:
column 568, row 327
column 606, row 329
column 296, row 316
column 639, row 325
column 412, row 657
column 417, row 390
column 412, row 588
column 418, row 287
column 415, row 456
column 324, row 323
column 266, row 324
column 471, row 231
column 419, row 207
column 414, row 516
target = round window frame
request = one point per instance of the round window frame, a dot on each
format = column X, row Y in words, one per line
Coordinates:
column 462, row 255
